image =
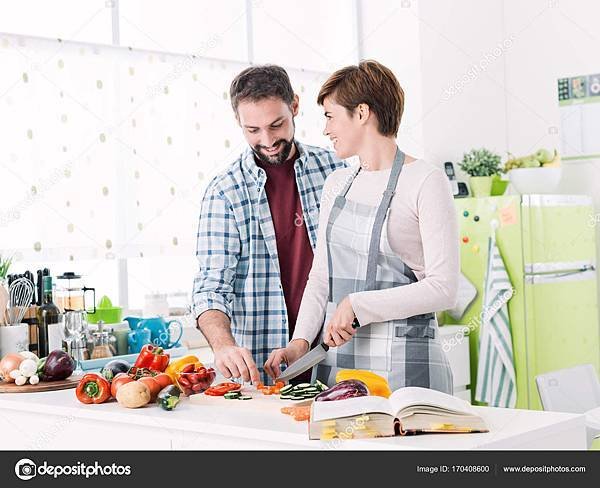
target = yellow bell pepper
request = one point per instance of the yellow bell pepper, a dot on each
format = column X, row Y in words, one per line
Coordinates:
column 176, row 366
column 377, row 385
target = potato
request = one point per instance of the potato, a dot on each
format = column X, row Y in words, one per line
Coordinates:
column 133, row 395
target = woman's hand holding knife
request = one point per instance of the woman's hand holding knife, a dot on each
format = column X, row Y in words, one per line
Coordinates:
column 339, row 330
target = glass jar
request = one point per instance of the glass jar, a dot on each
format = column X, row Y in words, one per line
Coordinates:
column 102, row 345
column 112, row 341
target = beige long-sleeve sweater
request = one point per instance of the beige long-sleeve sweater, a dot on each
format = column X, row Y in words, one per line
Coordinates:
column 422, row 230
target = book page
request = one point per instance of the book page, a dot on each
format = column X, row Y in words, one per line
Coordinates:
column 414, row 396
column 350, row 407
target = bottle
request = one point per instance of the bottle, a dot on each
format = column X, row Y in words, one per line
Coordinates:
column 48, row 313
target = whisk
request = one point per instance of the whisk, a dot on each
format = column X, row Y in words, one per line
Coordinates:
column 20, row 293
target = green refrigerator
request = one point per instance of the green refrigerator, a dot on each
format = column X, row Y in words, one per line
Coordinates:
column 549, row 251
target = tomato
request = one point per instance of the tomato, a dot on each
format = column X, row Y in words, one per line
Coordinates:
column 222, row 388
column 188, row 368
column 153, row 386
column 163, row 380
column 118, row 381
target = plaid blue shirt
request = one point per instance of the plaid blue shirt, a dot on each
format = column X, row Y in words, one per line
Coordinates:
column 237, row 251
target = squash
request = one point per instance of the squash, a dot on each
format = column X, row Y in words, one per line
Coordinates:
column 377, row 385
column 176, row 366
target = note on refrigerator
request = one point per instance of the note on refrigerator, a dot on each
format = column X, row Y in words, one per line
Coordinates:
column 508, row 214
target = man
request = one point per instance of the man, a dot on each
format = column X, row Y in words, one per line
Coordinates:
column 257, row 229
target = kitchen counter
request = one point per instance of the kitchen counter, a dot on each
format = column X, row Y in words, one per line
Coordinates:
column 56, row 420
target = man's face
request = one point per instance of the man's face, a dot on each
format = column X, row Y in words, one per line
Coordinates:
column 268, row 126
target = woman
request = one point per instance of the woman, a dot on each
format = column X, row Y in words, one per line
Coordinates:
column 387, row 249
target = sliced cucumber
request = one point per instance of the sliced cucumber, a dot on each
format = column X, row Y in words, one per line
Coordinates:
column 244, row 397
column 296, row 398
column 231, row 395
column 303, row 385
column 286, row 388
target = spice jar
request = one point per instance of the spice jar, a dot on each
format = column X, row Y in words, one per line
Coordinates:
column 112, row 341
column 102, row 347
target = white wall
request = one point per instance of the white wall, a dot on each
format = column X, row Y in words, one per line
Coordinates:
column 388, row 31
column 555, row 39
column 462, row 70
column 489, row 72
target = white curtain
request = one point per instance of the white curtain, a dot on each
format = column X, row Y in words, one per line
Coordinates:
column 106, row 151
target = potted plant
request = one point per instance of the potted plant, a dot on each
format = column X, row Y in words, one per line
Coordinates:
column 481, row 165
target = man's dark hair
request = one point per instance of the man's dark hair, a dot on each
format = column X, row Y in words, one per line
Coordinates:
column 259, row 82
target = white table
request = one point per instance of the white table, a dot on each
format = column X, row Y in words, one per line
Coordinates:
column 56, row 420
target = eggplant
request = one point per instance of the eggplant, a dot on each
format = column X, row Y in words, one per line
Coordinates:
column 168, row 397
column 113, row 368
column 342, row 390
column 58, row 365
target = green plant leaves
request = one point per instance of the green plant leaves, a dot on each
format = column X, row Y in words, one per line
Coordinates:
column 480, row 162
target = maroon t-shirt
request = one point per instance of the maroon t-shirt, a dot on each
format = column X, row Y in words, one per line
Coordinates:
column 293, row 245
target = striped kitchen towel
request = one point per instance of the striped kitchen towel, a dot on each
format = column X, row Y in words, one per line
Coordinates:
column 496, row 383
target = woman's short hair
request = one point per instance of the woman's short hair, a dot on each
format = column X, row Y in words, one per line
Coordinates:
column 372, row 83
column 258, row 82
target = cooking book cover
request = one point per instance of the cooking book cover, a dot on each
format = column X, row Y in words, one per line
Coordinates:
column 408, row 411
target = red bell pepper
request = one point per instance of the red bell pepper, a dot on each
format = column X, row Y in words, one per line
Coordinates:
column 152, row 357
column 93, row 388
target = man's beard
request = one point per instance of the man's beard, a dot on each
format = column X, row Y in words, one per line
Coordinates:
column 280, row 157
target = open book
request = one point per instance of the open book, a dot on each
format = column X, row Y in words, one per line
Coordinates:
column 409, row 410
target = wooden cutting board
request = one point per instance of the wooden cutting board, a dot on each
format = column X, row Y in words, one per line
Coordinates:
column 70, row 382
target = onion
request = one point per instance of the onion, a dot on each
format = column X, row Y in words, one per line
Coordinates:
column 9, row 363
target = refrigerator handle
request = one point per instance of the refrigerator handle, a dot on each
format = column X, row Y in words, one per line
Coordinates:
column 585, row 273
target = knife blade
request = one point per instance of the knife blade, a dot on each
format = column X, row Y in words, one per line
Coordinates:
column 305, row 362
column 315, row 356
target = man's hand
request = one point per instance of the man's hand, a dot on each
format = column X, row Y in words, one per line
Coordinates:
column 235, row 362
column 287, row 355
column 231, row 360
column 339, row 330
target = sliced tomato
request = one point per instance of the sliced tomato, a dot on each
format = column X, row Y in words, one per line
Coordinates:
column 222, row 388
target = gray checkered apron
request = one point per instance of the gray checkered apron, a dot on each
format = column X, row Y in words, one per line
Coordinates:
column 406, row 352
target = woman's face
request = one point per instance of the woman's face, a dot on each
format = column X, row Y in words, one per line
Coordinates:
column 342, row 128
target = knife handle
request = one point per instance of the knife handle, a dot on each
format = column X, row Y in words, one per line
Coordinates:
column 355, row 325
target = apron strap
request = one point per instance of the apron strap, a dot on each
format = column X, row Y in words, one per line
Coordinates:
column 349, row 182
column 371, row 278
